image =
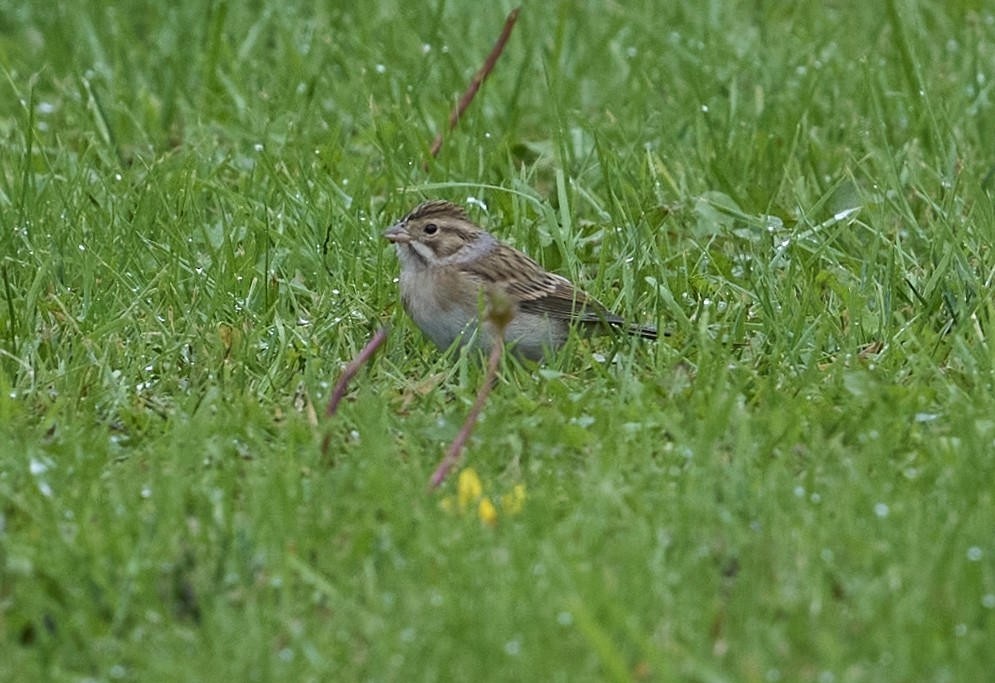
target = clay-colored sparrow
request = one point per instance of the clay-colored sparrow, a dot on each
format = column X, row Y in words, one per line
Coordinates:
column 448, row 264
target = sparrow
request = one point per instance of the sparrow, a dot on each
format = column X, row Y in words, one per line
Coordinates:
column 448, row 268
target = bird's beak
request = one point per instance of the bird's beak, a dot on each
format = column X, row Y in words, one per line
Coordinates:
column 398, row 234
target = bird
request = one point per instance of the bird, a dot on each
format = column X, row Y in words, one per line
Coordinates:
column 449, row 266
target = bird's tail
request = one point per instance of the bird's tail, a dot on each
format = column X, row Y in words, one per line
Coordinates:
column 645, row 331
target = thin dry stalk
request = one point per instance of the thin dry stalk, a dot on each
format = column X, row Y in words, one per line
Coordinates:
column 478, row 79
column 499, row 314
column 348, row 373
column 455, row 452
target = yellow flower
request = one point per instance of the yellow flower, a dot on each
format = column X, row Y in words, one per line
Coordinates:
column 513, row 501
column 487, row 512
column 468, row 488
column 470, row 494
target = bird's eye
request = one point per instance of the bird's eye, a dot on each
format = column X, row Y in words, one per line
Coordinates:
column 431, row 229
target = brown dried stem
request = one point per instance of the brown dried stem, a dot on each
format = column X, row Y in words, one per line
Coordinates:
column 478, row 79
column 499, row 314
column 455, row 452
column 348, row 373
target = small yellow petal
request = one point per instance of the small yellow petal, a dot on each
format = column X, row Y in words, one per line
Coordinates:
column 468, row 488
column 447, row 504
column 487, row 512
column 513, row 501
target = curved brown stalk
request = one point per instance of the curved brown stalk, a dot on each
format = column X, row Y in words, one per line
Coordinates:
column 478, row 79
column 350, row 370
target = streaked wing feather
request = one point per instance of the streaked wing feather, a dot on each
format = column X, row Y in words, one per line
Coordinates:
column 535, row 290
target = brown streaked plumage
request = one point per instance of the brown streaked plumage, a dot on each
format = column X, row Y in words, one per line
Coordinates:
column 447, row 261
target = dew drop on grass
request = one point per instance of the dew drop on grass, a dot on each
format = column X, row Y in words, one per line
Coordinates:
column 988, row 601
column 564, row 618
column 881, row 510
column 974, row 553
column 513, row 648
column 380, row 68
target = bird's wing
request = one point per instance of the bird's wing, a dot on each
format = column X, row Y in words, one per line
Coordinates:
column 535, row 290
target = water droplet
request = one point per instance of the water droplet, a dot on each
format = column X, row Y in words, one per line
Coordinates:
column 881, row 510
column 845, row 213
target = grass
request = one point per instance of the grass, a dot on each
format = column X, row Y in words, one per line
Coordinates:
column 797, row 485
